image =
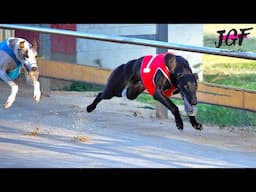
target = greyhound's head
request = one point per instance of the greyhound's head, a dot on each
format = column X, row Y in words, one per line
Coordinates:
column 25, row 52
column 187, row 85
column 184, row 80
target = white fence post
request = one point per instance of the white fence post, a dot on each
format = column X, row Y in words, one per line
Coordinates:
column 161, row 35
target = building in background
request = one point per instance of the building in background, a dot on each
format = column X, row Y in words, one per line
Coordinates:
column 109, row 55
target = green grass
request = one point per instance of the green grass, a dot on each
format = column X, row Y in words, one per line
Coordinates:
column 224, row 116
column 242, row 80
column 240, row 73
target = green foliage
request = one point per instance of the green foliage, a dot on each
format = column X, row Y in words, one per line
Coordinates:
column 146, row 98
column 76, row 86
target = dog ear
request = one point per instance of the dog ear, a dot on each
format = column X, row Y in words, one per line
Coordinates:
column 12, row 41
column 196, row 76
column 34, row 45
column 171, row 62
column 21, row 44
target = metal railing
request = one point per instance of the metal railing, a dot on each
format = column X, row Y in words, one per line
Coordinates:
column 136, row 41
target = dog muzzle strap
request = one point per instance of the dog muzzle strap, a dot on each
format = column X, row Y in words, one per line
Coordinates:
column 193, row 112
column 190, row 109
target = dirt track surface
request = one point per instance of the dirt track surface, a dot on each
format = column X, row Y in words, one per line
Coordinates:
column 59, row 133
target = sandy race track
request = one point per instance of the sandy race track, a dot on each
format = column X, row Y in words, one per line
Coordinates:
column 59, row 133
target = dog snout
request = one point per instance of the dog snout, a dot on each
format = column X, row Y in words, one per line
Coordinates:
column 194, row 101
column 34, row 69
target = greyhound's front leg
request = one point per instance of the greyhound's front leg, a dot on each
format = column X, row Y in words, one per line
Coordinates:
column 14, row 89
column 171, row 106
column 194, row 123
column 37, row 92
column 192, row 118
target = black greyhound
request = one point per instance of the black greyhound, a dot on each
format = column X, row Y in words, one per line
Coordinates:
column 162, row 75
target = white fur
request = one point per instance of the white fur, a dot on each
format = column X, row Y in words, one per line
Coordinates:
column 12, row 96
column 37, row 91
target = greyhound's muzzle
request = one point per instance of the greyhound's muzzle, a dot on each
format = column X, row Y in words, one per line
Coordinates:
column 190, row 108
column 34, row 68
column 194, row 101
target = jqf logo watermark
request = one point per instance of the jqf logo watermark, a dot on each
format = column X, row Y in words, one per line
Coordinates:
column 232, row 36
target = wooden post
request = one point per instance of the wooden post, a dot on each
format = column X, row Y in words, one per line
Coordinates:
column 161, row 35
column 45, row 52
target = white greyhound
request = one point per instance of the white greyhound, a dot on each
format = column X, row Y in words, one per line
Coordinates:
column 14, row 54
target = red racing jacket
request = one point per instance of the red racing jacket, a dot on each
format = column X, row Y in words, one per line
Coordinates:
column 149, row 67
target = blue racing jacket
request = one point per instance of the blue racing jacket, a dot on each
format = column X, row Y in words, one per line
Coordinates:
column 13, row 74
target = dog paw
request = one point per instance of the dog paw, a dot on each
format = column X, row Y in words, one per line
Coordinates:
column 37, row 95
column 37, row 92
column 198, row 126
column 7, row 105
column 179, row 126
column 36, row 98
column 90, row 108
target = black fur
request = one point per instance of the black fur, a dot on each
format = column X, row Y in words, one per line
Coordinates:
column 128, row 76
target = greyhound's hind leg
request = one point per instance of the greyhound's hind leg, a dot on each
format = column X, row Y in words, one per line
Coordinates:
column 12, row 96
column 134, row 90
column 102, row 95
column 93, row 105
column 14, row 90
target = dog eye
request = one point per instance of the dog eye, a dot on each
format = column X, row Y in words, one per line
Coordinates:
column 26, row 54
